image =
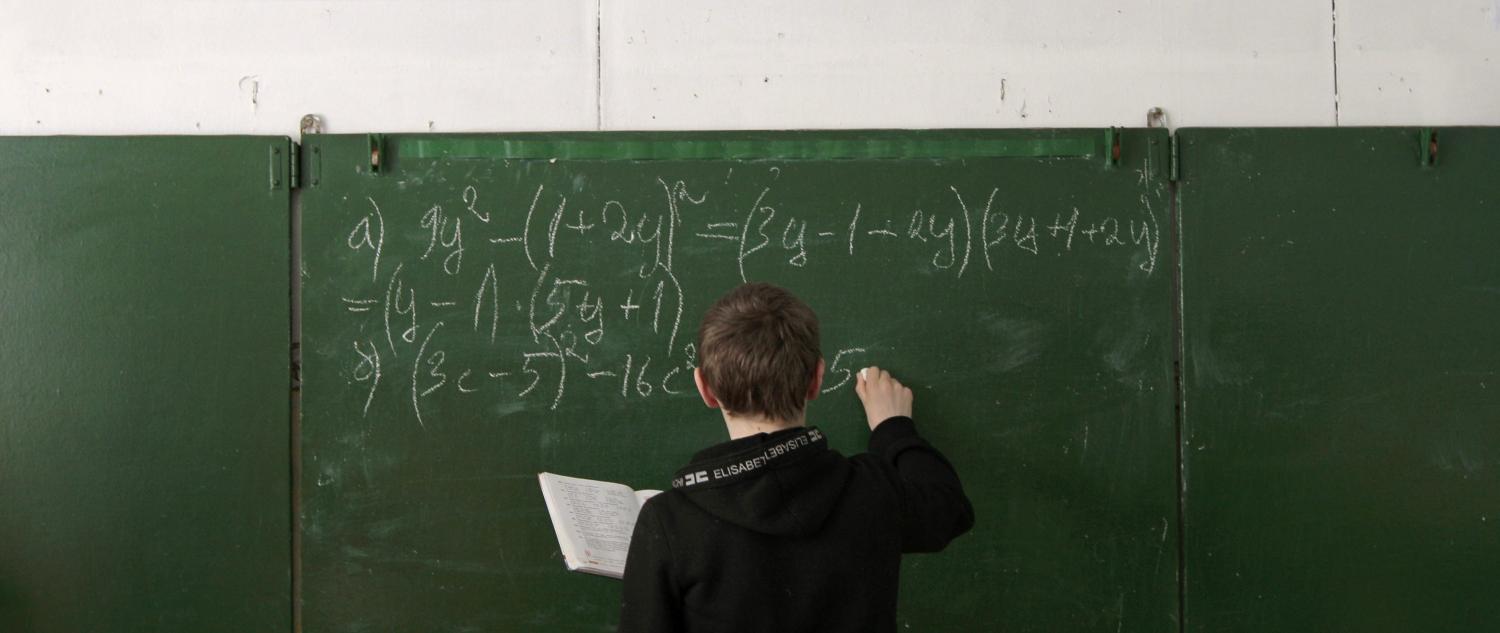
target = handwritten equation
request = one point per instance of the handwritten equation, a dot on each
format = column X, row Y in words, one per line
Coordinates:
column 546, row 337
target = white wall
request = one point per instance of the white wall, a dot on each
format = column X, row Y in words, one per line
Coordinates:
column 243, row 66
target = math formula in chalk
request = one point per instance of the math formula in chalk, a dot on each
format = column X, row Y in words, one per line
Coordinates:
column 517, row 319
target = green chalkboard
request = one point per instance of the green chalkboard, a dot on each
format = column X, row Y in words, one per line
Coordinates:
column 144, row 374
column 1342, row 369
column 478, row 308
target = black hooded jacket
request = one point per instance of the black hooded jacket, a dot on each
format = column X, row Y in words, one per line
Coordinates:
column 776, row 532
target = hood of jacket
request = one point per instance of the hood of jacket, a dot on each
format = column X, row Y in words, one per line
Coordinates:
column 782, row 483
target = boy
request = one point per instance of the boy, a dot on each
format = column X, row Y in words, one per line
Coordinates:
column 772, row 531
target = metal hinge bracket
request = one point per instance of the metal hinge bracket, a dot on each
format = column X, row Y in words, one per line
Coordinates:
column 281, row 169
column 1427, row 147
column 1173, row 144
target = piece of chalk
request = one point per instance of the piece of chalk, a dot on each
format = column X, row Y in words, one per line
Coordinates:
column 862, row 373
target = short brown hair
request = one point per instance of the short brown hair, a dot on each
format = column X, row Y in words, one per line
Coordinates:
column 758, row 351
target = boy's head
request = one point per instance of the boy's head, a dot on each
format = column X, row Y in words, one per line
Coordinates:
column 758, row 353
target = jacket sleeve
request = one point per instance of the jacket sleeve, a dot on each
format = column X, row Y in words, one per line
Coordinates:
column 934, row 509
column 650, row 602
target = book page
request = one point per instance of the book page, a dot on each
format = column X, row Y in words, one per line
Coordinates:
column 642, row 495
column 595, row 518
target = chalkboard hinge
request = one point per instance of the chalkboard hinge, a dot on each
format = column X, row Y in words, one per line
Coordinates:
column 1172, row 162
column 1111, row 147
column 1427, row 147
column 281, row 165
column 377, row 152
column 294, row 161
column 311, row 158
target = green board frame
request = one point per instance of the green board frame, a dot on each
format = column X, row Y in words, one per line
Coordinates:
column 145, row 399
column 1042, row 357
column 1341, row 291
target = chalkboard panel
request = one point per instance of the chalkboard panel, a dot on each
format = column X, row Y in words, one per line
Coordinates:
column 479, row 308
column 144, row 401
column 1342, row 369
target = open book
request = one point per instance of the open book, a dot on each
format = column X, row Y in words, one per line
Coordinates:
column 593, row 521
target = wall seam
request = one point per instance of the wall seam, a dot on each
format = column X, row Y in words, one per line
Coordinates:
column 1334, row 18
column 598, row 65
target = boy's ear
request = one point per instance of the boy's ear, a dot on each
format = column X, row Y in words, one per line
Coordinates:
column 817, row 381
column 704, row 391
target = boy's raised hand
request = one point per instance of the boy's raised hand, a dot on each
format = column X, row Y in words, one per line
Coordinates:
column 884, row 397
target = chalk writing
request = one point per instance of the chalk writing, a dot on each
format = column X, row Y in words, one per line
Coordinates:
column 540, row 329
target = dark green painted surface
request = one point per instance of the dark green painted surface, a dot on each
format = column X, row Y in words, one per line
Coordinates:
column 442, row 372
column 143, row 400
column 1342, row 380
